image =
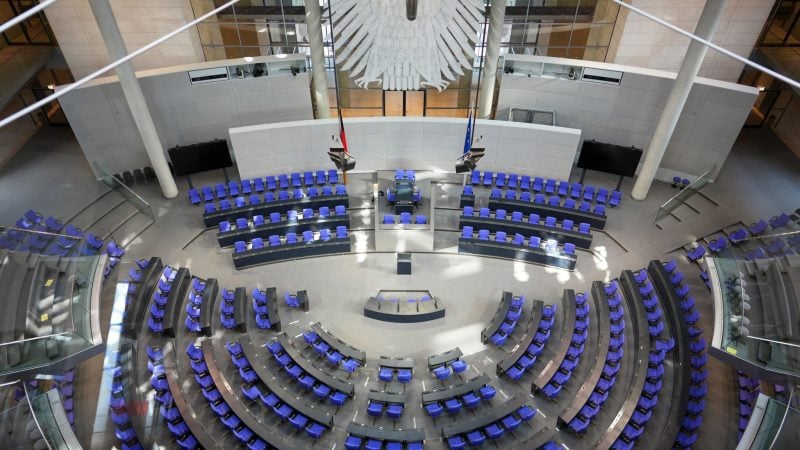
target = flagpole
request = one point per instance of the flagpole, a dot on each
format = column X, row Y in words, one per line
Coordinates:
column 480, row 72
column 336, row 86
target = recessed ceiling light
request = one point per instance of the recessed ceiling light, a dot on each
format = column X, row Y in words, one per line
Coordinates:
column 262, row 30
column 290, row 33
column 248, row 58
column 281, row 55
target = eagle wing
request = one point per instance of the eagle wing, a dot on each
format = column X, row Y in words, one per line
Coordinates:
column 380, row 45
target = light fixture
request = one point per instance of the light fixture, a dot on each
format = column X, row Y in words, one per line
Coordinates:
column 248, row 59
column 51, row 86
column 280, row 55
column 762, row 88
column 262, row 30
column 290, row 33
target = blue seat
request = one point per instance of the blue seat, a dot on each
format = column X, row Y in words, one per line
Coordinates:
column 315, row 430
column 352, row 443
column 525, row 196
column 488, row 176
column 421, row 220
column 442, row 373
column 539, row 198
column 434, row 409
column 510, row 194
column 483, row 235
column 456, row 442
column 554, row 201
column 538, row 184
column 487, row 392
column 495, row 193
column 475, row 438
column 404, row 375
column 375, row 408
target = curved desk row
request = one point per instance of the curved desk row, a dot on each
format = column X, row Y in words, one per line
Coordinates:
column 339, row 345
column 444, row 358
column 602, row 321
column 559, row 212
column 499, row 317
column 490, row 416
column 207, row 306
column 245, row 414
column 227, row 238
column 515, row 252
column 266, row 255
column 581, row 240
column 564, row 340
column 177, row 294
column 310, row 368
column 641, row 348
column 525, row 340
column 214, row 218
column 187, row 413
column 682, row 368
column 256, row 357
column 137, row 306
column 383, row 434
column 272, row 307
column 396, row 363
column 471, row 385
column 404, row 311
column 388, row 397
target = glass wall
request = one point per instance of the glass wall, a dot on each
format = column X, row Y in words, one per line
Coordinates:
column 579, row 29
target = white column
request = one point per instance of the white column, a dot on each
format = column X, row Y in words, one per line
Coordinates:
column 320, row 76
column 709, row 19
column 134, row 96
column 497, row 15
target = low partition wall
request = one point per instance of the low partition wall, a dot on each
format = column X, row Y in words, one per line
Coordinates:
column 420, row 143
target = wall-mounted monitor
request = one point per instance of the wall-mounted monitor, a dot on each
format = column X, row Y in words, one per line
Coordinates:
column 200, row 157
column 609, row 158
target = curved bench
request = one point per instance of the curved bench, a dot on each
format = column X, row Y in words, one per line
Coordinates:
column 670, row 303
column 498, row 318
column 339, row 345
column 332, row 381
column 515, row 252
column 256, row 357
column 188, row 415
column 282, row 206
column 404, row 311
column 227, row 238
column 521, row 347
column 406, row 436
column 493, row 224
column 564, row 340
column 207, row 306
column 600, row 349
column 137, row 306
column 457, row 390
column 641, row 349
column 248, row 417
column 597, row 221
column 283, row 252
column 495, row 414
column 175, row 298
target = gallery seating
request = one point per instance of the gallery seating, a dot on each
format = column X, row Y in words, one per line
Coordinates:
column 524, row 354
column 568, row 355
column 563, row 189
column 285, row 201
column 257, row 185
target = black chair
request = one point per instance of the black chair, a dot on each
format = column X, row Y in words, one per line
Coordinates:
column 139, row 176
column 127, row 177
column 149, row 173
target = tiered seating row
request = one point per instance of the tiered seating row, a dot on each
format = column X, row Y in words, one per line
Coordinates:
column 230, row 212
column 249, row 360
column 167, row 300
column 749, row 388
column 505, row 319
column 143, row 280
column 447, row 363
column 515, row 224
column 516, row 249
column 181, row 420
column 257, row 185
column 263, row 227
column 124, row 429
column 202, row 298
column 265, row 307
column 324, row 385
column 469, row 394
column 523, row 356
column 501, row 419
column 405, row 218
column 232, row 413
column 569, row 355
column 233, row 309
column 682, row 421
column 587, row 403
column 378, row 437
column 337, row 352
column 322, row 244
column 549, row 186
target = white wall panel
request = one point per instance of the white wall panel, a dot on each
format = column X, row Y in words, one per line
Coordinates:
column 421, row 143
column 628, row 114
column 183, row 114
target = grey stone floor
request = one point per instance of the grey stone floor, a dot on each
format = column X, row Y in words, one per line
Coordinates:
column 760, row 179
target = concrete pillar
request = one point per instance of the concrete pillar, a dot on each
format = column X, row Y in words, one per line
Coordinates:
column 134, row 96
column 320, row 77
column 709, row 19
column 497, row 15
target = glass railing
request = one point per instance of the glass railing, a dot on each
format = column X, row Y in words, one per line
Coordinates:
column 750, row 310
column 778, row 427
column 685, row 194
column 16, row 419
column 50, row 286
column 52, row 419
column 123, row 190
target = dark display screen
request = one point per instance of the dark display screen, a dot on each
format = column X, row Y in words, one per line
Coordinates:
column 200, row 157
column 609, row 158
